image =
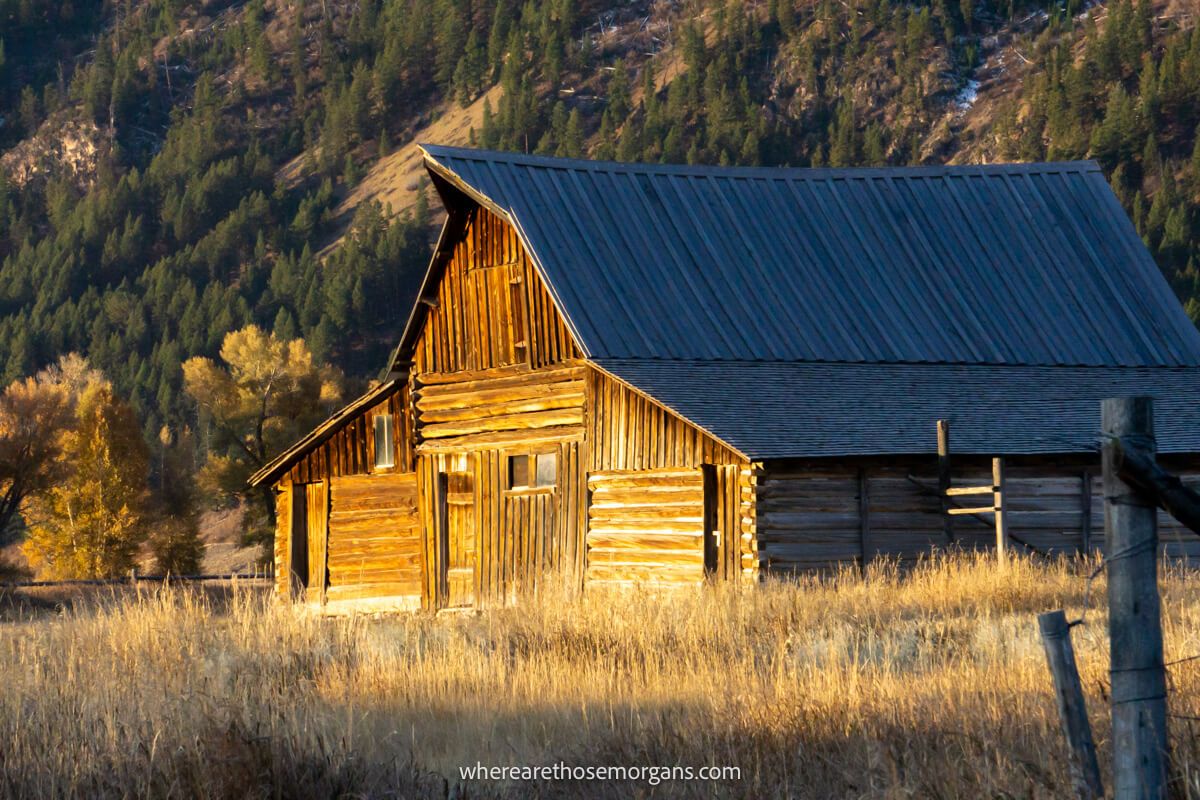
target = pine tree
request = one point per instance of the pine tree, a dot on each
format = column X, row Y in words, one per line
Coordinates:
column 618, row 92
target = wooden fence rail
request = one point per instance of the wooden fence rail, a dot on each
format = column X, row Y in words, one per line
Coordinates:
column 132, row 579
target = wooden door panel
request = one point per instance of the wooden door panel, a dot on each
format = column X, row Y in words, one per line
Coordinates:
column 722, row 512
column 529, row 543
column 461, row 540
column 317, row 516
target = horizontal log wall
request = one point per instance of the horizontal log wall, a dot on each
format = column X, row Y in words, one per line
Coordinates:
column 351, row 448
column 502, row 407
column 628, row 433
column 813, row 518
column 646, row 525
column 374, row 537
column 491, row 308
column 808, row 519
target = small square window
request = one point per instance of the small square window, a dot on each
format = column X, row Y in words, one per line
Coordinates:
column 385, row 447
column 518, row 472
column 547, row 469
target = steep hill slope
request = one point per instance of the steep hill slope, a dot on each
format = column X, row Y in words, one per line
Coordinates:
column 236, row 161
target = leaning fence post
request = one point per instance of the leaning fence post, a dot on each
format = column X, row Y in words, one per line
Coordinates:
column 1072, row 710
column 1139, row 690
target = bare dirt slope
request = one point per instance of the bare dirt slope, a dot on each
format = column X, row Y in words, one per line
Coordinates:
column 395, row 179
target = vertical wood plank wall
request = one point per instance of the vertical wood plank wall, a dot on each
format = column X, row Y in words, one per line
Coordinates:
column 283, row 540
column 351, row 449
column 482, row 417
column 317, row 518
column 491, row 308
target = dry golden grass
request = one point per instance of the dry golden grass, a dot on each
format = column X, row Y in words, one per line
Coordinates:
column 930, row 683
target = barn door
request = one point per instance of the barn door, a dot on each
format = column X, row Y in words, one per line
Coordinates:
column 317, row 516
column 298, row 546
column 456, row 536
column 722, row 539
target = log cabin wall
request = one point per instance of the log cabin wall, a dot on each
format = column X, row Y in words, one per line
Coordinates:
column 374, row 538
column 651, row 502
column 371, row 529
column 814, row 516
column 496, row 376
column 469, row 426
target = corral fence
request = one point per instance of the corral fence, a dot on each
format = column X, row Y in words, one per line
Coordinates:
column 134, row 578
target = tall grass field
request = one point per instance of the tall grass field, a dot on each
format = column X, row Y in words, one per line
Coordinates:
column 925, row 683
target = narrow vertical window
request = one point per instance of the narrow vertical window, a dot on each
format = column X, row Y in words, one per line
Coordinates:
column 385, row 448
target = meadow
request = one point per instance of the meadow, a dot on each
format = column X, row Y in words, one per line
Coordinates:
column 926, row 683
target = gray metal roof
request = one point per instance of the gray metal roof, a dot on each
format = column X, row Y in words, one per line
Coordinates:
column 789, row 410
column 1020, row 264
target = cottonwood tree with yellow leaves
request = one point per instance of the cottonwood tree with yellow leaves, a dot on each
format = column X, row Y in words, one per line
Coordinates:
column 92, row 522
column 265, row 395
column 31, row 415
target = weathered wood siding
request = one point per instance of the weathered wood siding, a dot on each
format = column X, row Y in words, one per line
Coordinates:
column 814, row 517
column 627, row 431
column 646, row 518
column 316, row 515
column 374, row 538
column 646, row 525
column 351, row 449
column 474, row 421
column 462, row 412
column 491, row 308
column 283, row 540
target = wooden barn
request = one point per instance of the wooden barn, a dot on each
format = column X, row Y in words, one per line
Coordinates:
column 640, row 373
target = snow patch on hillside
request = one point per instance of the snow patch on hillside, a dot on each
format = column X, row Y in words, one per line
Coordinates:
column 967, row 96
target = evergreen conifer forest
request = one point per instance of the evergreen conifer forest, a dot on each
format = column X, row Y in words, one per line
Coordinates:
column 174, row 170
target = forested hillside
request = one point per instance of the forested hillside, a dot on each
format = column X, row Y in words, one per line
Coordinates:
column 173, row 169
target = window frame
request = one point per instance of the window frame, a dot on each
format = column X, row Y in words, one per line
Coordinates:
column 531, row 486
column 388, row 421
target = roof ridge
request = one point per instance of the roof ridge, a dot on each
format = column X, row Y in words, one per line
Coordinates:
column 436, row 152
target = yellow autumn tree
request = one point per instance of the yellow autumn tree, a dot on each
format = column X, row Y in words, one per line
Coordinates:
column 266, row 394
column 92, row 522
column 33, row 416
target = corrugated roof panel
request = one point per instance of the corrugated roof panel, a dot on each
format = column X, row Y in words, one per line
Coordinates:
column 1030, row 264
column 794, row 410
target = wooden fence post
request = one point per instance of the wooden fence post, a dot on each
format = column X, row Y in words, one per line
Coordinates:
column 1001, row 512
column 943, row 477
column 1139, row 691
column 1072, row 710
column 864, row 518
column 1085, row 510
